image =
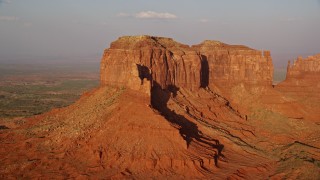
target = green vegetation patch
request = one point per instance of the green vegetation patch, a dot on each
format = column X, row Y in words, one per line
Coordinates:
column 29, row 100
column 273, row 121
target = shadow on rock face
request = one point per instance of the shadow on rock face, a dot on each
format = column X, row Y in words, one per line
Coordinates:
column 3, row 127
column 144, row 72
column 204, row 71
column 188, row 130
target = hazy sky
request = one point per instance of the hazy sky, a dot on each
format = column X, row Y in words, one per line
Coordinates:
column 75, row 29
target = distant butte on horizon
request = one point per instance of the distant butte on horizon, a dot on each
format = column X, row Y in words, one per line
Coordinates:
column 165, row 110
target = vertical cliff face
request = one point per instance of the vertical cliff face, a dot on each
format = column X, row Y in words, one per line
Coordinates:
column 189, row 132
column 303, row 74
column 302, row 84
column 304, row 67
column 167, row 63
column 232, row 64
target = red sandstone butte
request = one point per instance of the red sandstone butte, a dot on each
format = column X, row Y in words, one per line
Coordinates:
column 166, row 62
column 171, row 63
column 302, row 84
column 230, row 64
column 165, row 110
column 305, row 71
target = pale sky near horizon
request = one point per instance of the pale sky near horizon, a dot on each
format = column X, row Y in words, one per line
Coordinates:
column 75, row 29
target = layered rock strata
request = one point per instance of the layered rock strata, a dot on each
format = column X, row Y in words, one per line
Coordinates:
column 161, row 60
column 303, row 74
column 171, row 64
column 302, row 86
column 307, row 69
column 191, row 133
column 233, row 64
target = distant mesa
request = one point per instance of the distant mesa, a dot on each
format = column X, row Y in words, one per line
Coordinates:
column 302, row 67
column 303, row 76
